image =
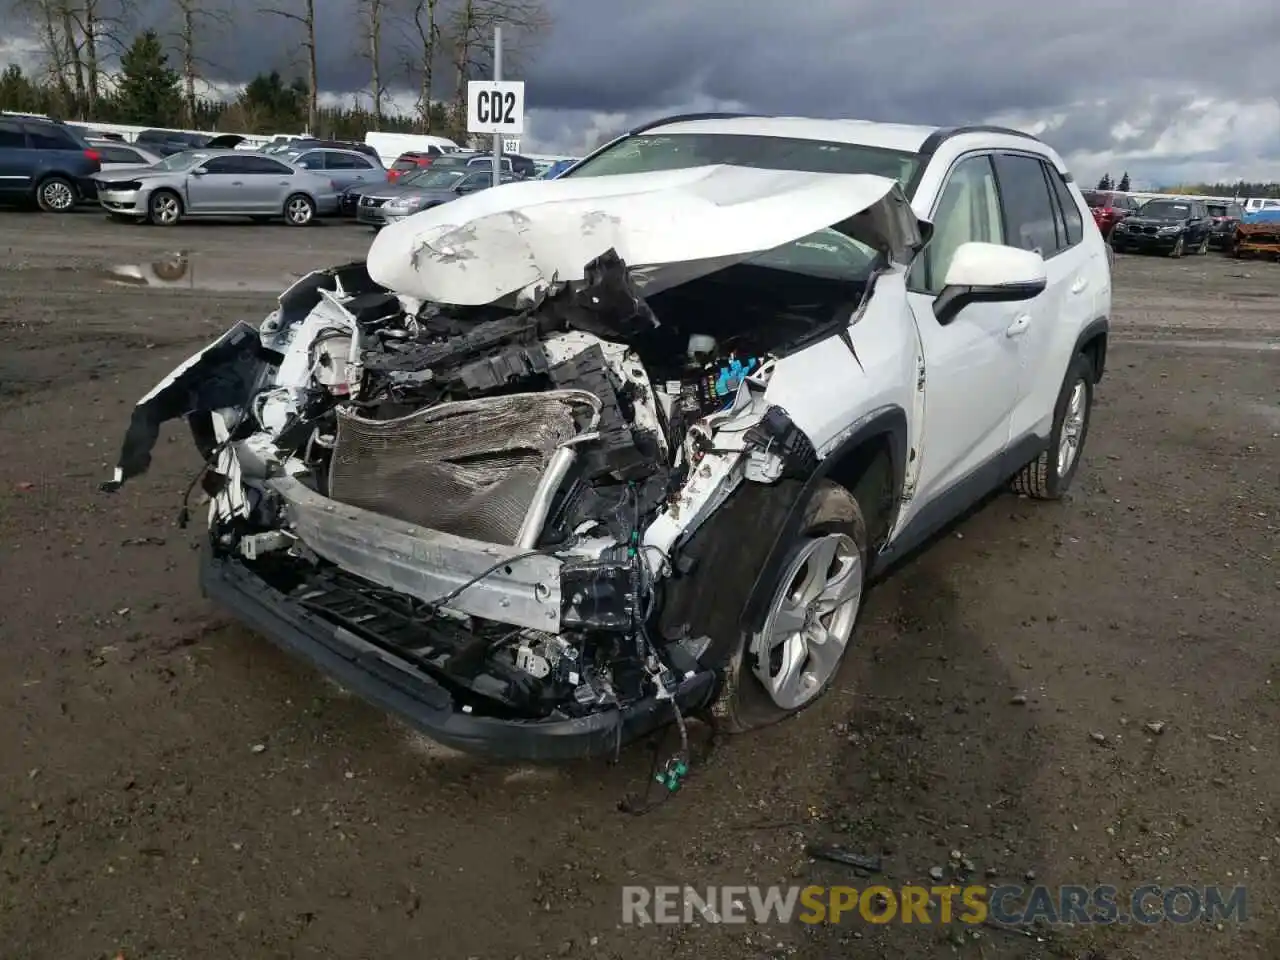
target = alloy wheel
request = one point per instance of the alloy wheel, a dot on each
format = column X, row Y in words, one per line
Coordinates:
column 1072, row 427
column 809, row 621
column 58, row 196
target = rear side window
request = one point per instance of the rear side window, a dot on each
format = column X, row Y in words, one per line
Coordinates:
column 51, row 138
column 345, row 161
column 1030, row 215
column 120, row 155
column 11, row 136
column 1071, row 222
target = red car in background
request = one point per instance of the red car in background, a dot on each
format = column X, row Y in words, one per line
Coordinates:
column 1109, row 208
column 412, row 161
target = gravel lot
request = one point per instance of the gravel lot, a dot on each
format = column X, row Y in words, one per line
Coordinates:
column 138, row 816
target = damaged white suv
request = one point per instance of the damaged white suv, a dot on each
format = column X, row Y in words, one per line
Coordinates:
column 567, row 460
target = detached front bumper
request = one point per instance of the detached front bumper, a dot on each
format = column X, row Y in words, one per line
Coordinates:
column 400, row 687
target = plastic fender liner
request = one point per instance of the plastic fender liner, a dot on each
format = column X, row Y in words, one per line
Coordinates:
column 890, row 422
column 221, row 375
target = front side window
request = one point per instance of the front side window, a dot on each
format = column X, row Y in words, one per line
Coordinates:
column 677, row 151
column 264, row 166
column 224, row 165
column 968, row 212
column 1028, row 212
column 310, row 161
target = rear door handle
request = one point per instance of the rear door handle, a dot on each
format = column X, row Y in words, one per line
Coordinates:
column 1019, row 326
column 1081, row 284
column 237, row 183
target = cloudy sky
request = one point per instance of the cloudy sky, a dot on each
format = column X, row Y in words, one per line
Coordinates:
column 1178, row 90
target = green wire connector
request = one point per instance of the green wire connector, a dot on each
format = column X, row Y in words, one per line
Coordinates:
column 672, row 775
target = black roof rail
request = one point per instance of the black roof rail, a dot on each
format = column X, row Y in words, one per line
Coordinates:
column 685, row 118
column 942, row 134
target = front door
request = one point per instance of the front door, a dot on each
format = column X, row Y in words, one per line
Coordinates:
column 970, row 363
column 217, row 188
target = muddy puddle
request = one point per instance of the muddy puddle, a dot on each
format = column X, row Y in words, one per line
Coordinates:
column 181, row 271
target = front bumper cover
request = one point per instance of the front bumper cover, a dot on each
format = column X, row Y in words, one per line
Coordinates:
column 399, row 687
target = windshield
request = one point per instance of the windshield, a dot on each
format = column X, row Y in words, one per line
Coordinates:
column 1096, row 200
column 1166, row 209
column 678, row 151
column 180, row 161
column 827, row 254
column 435, row 178
column 1217, row 209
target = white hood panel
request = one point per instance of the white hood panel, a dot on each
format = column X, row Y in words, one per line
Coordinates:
column 486, row 246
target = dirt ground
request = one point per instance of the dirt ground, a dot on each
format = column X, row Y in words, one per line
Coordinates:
column 171, row 786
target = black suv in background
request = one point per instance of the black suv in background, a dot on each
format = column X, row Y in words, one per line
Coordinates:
column 1226, row 215
column 1173, row 227
column 45, row 161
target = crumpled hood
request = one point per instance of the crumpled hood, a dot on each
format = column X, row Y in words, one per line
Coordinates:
column 670, row 226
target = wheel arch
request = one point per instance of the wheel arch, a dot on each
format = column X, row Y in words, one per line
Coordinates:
column 872, row 457
column 47, row 174
column 1092, row 342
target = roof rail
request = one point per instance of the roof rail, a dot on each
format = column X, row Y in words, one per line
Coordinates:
column 942, row 134
column 686, row 117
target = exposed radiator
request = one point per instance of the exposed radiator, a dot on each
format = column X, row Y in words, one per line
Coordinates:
column 469, row 468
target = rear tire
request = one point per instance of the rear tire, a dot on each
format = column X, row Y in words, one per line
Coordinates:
column 299, row 210
column 1049, row 475
column 56, row 195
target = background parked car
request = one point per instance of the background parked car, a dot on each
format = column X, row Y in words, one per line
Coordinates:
column 1109, row 208
column 411, row 161
column 118, row 156
column 218, row 183
column 346, row 168
column 46, row 162
column 393, row 202
column 300, row 145
column 556, row 168
column 1225, row 217
column 168, row 142
column 1174, row 227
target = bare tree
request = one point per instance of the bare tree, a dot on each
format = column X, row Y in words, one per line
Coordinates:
column 371, row 13
column 422, row 32
column 471, row 29
column 100, row 24
column 307, row 20
column 189, row 19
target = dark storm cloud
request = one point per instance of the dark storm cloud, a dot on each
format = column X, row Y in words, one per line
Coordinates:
column 926, row 61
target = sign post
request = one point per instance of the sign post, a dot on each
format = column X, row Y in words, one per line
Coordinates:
column 496, row 107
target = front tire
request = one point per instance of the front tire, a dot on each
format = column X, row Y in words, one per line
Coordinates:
column 1049, row 476
column 164, row 208
column 1179, row 247
column 56, row 195
column 796, row 655
column 1203, row 249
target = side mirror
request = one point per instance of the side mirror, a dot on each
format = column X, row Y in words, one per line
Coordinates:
column 199, row 172
column 989, row 273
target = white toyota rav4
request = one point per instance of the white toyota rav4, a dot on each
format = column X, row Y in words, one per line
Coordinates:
column 564, row 461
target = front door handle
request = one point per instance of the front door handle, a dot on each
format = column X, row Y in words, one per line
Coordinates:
column 1019, row 326
column 237, row 183
column 1081, row 284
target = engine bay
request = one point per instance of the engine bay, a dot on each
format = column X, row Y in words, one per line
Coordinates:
column 565, row 425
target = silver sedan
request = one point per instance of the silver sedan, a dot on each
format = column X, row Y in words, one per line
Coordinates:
column 217, row 183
